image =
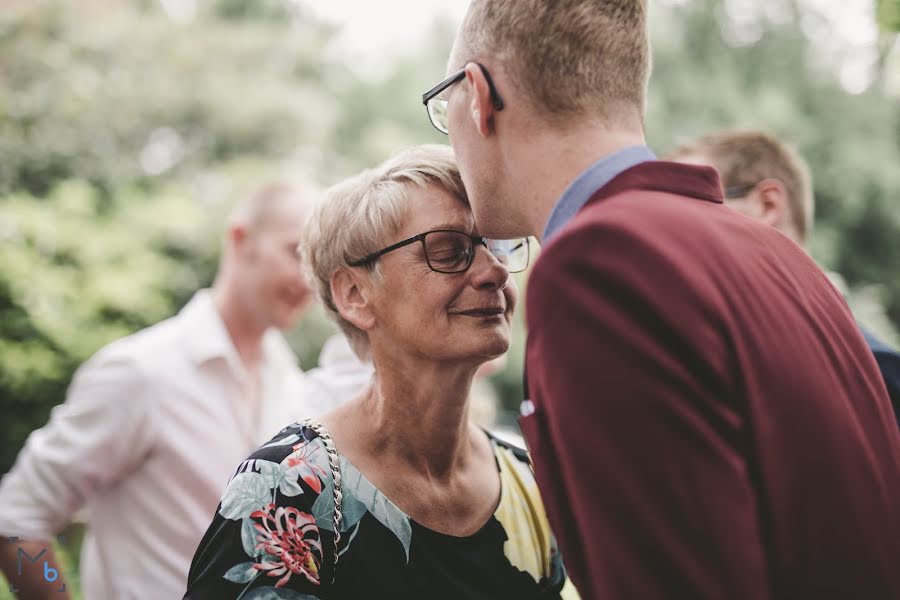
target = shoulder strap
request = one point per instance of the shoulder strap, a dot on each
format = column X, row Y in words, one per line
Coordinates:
column 335, row 465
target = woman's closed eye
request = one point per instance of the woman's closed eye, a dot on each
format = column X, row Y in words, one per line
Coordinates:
column 449, row 256
column 448, row 249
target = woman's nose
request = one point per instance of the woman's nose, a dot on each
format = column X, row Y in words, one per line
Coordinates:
column 487, row 271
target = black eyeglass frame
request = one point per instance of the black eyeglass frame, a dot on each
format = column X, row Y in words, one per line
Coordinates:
column 476, row 240
column 496, row 100
column 733, row 192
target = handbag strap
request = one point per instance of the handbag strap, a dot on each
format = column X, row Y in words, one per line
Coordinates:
column 335, row 465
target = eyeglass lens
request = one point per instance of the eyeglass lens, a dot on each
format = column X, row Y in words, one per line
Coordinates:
column 452, row 252
column 437, row 112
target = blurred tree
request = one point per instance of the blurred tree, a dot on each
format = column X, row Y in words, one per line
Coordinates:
column 887, row 12
column 123, row 133
column 750, row 65
column 121, row 140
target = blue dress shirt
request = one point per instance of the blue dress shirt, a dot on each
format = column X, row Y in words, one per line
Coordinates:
column 592, row 179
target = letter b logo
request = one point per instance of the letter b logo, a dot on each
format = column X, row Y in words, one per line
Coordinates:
column 50, row 574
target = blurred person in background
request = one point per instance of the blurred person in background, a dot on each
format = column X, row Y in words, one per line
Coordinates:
column 431, row 505
column 154, row 423
column 697, row 430
column 767, row 180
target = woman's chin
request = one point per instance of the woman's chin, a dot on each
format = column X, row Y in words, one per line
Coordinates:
column 495, row 345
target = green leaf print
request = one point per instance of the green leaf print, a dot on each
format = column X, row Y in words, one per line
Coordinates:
column 285, row 441
column 242, row 573
column 377, row 503
column 277, row 476
column 246, row 492
column 248, row 537
column 352, row 510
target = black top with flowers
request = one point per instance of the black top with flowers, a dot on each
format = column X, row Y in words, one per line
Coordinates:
column 272, row 537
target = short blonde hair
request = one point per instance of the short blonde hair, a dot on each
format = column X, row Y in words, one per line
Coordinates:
column 745, row 158
column 570, row 58
column 359, row 215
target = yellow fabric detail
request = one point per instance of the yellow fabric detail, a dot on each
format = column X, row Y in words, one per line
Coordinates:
column 569, row 592
column 522, row 515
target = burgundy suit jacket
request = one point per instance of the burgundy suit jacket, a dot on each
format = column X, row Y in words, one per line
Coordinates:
column 709, row 422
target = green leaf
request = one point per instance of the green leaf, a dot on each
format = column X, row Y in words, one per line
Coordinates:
column 352, row 510
column 246, row 493
column 277, row 476
column 323, row 508
column 285, row 441
column 242, row 573
column 248, row 537
column 385, row 511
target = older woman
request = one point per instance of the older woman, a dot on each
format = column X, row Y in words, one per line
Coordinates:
column 428, row 504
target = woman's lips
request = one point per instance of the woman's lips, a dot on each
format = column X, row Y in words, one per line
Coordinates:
column 489, row 311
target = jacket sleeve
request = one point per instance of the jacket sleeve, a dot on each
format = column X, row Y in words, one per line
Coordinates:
column 636, row 436
column 99, row 433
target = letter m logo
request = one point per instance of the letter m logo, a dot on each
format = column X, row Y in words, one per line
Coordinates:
column 30, row 559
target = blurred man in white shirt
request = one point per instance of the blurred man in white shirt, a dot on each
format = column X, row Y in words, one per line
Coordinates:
column 154, row 424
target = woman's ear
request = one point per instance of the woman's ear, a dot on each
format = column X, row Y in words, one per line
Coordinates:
column 352, row 297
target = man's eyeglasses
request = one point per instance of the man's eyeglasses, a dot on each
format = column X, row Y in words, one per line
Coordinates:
column 733, row 192
column 449, row 251
column 437, row 106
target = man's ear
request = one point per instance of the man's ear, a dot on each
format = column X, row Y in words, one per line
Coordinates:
column 773, row 199
column 237, row 236
column 352, row 294
column 481, row 108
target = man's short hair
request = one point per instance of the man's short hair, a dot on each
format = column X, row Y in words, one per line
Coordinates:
column 263, row 203
column 570, row 58
column 359, row 216
column 744, row 158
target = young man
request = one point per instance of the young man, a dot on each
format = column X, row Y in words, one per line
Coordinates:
column 696, row 430
column 154, row 424
column 765, row 179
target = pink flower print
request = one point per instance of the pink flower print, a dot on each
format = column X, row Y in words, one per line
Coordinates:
column 301, row 462
column 292, row 538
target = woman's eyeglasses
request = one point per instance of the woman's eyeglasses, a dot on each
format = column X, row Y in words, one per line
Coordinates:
column 449, row 251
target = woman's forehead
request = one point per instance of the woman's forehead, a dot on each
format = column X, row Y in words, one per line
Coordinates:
column 435, row 208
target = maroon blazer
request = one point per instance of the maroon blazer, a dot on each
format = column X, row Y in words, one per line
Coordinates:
column 709, row 422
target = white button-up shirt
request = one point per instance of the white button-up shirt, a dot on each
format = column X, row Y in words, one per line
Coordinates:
column 152, row 428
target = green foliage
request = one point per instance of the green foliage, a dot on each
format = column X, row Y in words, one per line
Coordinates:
column 94, row 98
column 76, row 276
column 123, row 134
column 888, row 14
column 707, row 77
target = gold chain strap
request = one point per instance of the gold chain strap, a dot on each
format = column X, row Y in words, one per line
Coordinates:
column 335, row 465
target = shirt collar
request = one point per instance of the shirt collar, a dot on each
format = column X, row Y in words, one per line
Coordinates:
column 208, row 337
column 592, row 179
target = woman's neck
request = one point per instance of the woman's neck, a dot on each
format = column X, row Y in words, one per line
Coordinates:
column 415, row 415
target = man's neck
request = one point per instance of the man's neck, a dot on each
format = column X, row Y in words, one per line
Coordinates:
column 245, row 335
column 552, row 160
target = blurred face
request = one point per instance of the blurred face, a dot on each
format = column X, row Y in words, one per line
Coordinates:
column 453, row 317
column 272, row 288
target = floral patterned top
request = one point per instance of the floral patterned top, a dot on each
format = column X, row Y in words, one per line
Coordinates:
column 272, row 537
